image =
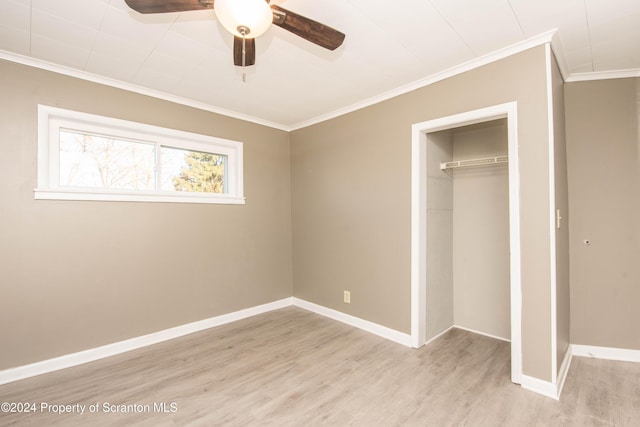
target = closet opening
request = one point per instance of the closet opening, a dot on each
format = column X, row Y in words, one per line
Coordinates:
column 465, row 228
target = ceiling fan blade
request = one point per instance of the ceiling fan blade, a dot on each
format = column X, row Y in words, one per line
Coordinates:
column 306, row 28
column 163, row 6
column 250, row 51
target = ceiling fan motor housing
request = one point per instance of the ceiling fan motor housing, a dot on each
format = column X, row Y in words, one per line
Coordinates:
column 248, row 19
column 243, row 17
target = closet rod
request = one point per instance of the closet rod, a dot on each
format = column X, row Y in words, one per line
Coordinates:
column 487, row 161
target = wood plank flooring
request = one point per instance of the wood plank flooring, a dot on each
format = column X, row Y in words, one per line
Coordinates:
column 291, row 367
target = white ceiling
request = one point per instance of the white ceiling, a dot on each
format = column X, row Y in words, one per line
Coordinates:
column 389, row 45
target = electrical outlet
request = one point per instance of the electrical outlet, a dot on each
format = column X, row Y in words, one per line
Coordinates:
column 347, row 297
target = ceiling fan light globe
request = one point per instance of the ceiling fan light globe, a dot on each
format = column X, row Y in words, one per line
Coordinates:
column 255, row 15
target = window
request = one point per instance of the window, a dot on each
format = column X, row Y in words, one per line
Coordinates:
column 87, row 157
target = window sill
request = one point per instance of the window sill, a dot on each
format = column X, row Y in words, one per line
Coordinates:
column 132, row 196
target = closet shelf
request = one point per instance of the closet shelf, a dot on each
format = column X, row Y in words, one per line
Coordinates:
column 487, row 161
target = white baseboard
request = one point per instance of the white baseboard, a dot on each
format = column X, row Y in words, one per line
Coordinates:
column 435, row 337
column 554, row 391
column 481, row 333
column 548, row 388
column 564, row 370
column 374, row 328
column 473, row 331
column 620, row 354
column 86, row 356
column 545, row 388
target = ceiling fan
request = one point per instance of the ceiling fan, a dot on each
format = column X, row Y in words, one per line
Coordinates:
column 246, row 20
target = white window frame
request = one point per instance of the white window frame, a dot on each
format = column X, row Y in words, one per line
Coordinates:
column 52, row 119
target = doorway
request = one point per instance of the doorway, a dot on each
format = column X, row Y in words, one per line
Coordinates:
column 431, row 142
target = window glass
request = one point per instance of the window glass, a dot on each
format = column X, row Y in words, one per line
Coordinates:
column 192, row 171
column 103, row 162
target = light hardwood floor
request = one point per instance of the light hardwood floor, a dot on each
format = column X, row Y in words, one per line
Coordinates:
column 291, row 367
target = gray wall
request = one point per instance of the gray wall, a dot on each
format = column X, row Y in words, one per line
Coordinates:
column 481, row 281
column 439, row 292
column 468, row 283
column 603, row 147
column 349, row 212
column 77, row 275
column 351, row 199
column 468, row 232
column 561, row 195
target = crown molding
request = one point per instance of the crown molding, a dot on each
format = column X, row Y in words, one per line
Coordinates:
column 550, row 37
column 603, row 75
column 497, row 55
column 529, row 43
column 558, row 53
column 95, row 78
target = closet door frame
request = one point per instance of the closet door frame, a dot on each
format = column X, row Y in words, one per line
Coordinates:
column 419, row 221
